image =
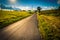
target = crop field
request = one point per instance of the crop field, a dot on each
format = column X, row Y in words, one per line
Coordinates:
column 49, row 26
column 8, row 17
column 48, row 22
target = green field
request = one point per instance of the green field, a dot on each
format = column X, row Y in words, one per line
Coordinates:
column 49, row 26
column 8, row 17
column 48, row 22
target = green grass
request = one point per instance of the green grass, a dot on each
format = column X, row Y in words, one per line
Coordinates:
column 8, row 17
column 51, row 12
column 48, row 22
column 49, row 27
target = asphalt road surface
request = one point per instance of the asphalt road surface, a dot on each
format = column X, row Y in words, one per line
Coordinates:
column 25, row 29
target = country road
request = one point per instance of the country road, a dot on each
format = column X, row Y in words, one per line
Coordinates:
column 25, row 29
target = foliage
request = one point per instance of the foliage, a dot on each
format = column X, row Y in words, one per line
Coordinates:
column 39, row 9
column 8, row 17
column 59, row 8
column 51, row 12
column 49, row 27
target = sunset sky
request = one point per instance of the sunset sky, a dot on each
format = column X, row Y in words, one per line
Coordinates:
column 31, row 4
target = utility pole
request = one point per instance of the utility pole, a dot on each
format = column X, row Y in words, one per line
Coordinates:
column 32, row 7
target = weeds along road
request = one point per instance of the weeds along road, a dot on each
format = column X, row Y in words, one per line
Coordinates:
column 25, row 29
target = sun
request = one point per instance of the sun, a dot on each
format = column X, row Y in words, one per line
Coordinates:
column 12, row 1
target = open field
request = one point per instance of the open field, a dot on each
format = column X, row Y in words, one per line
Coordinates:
column 51, row 12
column 49, row 26
column 48, row 22
column 8, row 17
column 25, row 29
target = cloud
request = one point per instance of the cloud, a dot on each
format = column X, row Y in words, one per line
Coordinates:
column 5, row 7
column 14, row 7
column 48, row 8
column 58, row 2
column 23, row 7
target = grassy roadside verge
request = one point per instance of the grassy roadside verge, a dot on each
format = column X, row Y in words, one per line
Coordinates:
column 49, row 27
column 8, row 17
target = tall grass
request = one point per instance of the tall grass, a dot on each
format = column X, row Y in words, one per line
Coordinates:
column 8, row 17
column 49, row 27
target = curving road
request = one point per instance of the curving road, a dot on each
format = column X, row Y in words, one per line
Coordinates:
column 25, row 29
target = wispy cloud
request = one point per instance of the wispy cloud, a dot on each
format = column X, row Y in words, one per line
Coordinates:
column 29, row 8
column 23, row 7
column 48, row 8
column 58, row 1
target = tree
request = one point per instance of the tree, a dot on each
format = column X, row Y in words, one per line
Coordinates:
column 30, row 11
column 59, row 8
column 39, row 9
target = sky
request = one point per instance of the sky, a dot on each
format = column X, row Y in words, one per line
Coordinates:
column 31, row 4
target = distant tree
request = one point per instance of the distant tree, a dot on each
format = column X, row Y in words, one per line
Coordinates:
column 39, row 9
column 59, row 8
column 24, row 10
column 35, row 11
column 30, row 11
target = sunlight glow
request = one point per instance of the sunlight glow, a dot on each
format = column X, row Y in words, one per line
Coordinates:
column 12, row 1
